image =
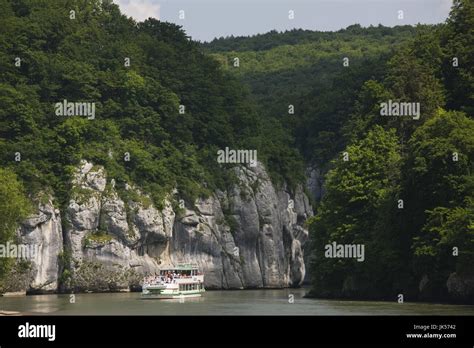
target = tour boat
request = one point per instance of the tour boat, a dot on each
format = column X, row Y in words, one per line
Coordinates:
column 182, row 281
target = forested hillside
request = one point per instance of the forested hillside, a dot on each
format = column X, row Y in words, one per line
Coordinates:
column 85, row 59
column 163, row 109
column 400, row 186
column 308, row 71
column 138, row 74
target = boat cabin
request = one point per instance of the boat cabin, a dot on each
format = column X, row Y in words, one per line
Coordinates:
column 185, row 270
column 184, row 280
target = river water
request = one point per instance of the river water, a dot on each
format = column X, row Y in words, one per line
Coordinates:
column 230, row 302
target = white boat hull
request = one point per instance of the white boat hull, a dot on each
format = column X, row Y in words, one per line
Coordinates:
column 154, row 296
column 180, row 282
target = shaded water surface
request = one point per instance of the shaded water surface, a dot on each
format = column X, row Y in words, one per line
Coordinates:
column 230, row 302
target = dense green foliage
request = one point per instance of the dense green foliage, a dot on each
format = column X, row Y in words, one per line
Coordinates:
column 361, row 197
column 457, row 39
column 137, row 106
column 140, row 133
column 305, row 69
column 273, row 39
column 400, row 186
column 14, row 206
column 413, row 248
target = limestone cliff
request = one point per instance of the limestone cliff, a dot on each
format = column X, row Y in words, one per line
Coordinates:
column 42, row 232
column 249, row 237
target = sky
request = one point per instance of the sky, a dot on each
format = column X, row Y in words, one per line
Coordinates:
column 205, row 20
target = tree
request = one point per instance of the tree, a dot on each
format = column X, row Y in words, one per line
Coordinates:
column 458, row 44
column 361, row 194
column 14, row 207
column 439, row 189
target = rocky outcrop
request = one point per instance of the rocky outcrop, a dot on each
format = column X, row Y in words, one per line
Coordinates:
column 461, row 288
column 456, row 288
column 246, row 238
column 315, row 182
column 251, row 236
column 105, row 237
column 42, row 234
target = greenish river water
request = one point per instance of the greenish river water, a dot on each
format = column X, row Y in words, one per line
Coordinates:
column 230, row 302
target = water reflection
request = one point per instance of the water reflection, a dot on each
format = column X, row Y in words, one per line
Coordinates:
column 239, row 302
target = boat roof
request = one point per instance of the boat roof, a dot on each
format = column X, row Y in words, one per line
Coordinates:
column 180, row 267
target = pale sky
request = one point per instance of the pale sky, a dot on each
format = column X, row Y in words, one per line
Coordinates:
column 206, row 19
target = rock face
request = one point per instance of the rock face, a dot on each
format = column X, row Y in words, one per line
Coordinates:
column 42, row 233
column 249, row 237
column 461, row 288
column 107, row 238
column 315, row 182
column 246, row 238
